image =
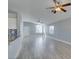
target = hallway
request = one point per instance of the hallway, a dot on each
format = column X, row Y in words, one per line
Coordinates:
column 41, row 47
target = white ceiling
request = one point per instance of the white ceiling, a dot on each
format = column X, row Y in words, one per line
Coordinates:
column 37, row 9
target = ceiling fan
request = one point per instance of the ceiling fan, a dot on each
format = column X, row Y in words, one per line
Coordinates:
column 58, row 6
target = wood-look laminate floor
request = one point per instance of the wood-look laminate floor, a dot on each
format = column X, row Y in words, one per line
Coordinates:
column 38, row 47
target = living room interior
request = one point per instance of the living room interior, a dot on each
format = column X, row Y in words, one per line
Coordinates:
column 37, row 31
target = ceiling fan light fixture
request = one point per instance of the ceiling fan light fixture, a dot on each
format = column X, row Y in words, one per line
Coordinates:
column 58, row 9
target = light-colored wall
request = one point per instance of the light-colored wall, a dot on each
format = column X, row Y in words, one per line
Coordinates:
column 18, row 22
column 28, row 28
column 62, row 30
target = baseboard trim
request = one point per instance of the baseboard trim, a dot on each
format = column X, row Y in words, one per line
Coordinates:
column 66, row 42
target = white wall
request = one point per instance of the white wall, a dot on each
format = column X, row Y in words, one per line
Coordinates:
column 28, row 28
column 62, row 30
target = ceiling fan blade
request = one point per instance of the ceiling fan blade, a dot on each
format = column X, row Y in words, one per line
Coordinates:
column 63, row 10
column 53, row 11
column 54, row 1
column 50, row 7
column 67, row 4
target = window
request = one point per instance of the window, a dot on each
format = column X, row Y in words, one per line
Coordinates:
column 38, row 28
column 51, row 29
